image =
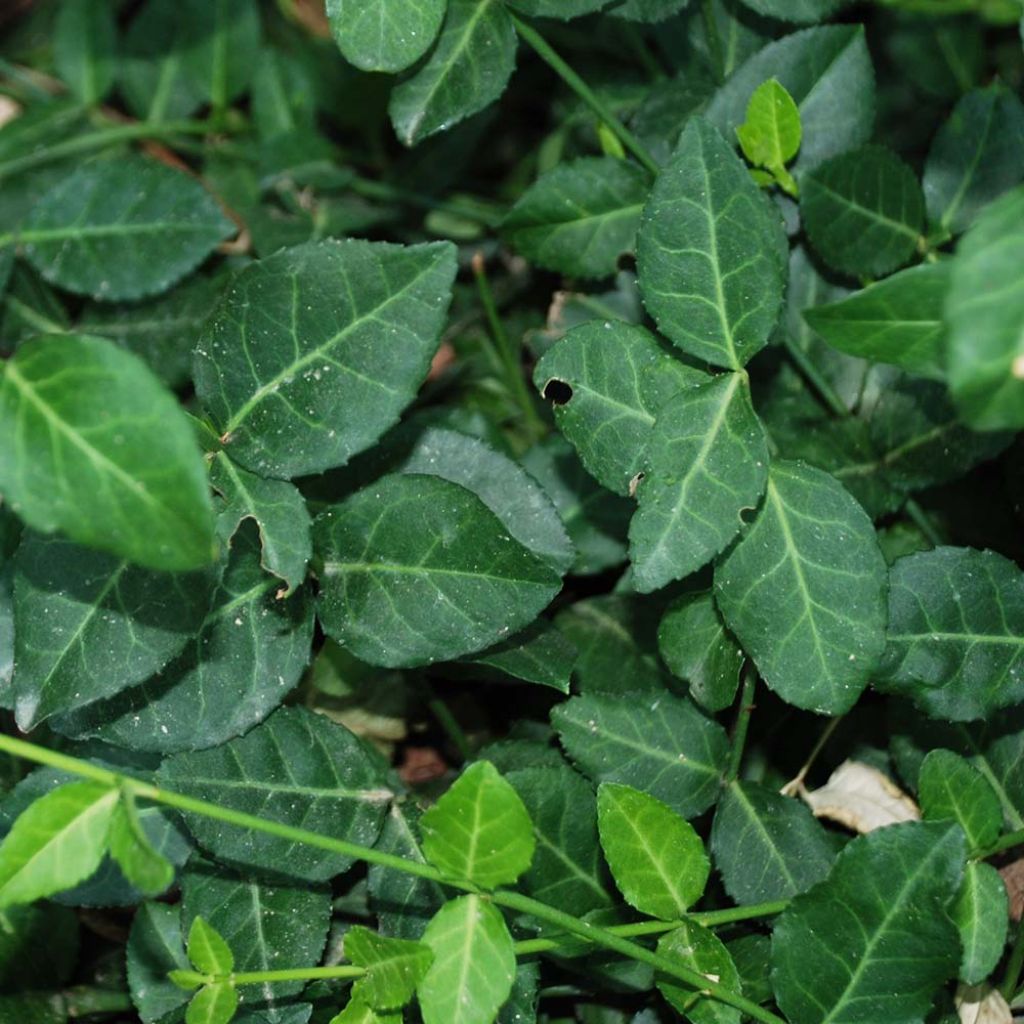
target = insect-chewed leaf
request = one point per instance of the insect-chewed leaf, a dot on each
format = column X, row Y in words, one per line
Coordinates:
column 711, row 253
column 770, row 136
column 415, row 569
column 213, row 1004
column 981, row 913
column 891, row 887
column 656, row 857
column 207, row 951
column 479, row 831
column 474, row 964
column 701, row 950
column 100, row 450
column 289, row 365
column 394, row 967
column 122, row 229
column 804, row 591
column 950, row 788
column 658, row 743
column 382, row 35
column 296, row 768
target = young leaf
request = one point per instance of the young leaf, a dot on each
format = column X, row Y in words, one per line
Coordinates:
column 607, row 382
column 102, row 452
column 981, row 913
column 479, row 830
column 863, row 211
column 147, row 869
column 660, row 744
column 57, row 842
column 213, row 1004
column 357, row 1012
column 394, row 967
column 956, row 633
column 207, row 951
column 580, row 217
column 468, row 69
column 710, row 252
column 804, row 591
column 382, row 35
column 474, row 964
column 706, row 461
column 951, row 788
column 122, row 229
column 84, row 42
column 700, row 950
column 415, row 569
column 770, row 136
column 656, row 857
column 287, row 366
column 898, row 946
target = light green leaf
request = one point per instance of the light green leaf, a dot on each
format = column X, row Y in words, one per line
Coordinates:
column 474, row 964
column 213, row 1004
column 660, row 744
column 710, row 252
column 976, row 156
column 467, row 71
column 88, row 625
column 984, row 318
column 804, row 591
column 800, row 11
column 607, row 380
column 479, row 831
column 580, row 217
column 357, row 1012
column 84, row 44
column 297, row 768
column 207, row 951
column 950, row 788
column 540, row 654
column 57, row 842
column 382, row 35
column 702, row 951
column 896, row 945
column 155, row 948
column 707, row 461
column 122, row 229
column 288, row 366
column 956, row 633
column 863, row 211
column 656, row 857
column 767, row 846
column 131, row 483
column 898, row 320
column 770, row 136
column 394, row 967
column 694, row 643
column 981, row 913
column 415, row 569
column 143, row 866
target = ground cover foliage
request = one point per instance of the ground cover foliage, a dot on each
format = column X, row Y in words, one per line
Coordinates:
column 511, row 511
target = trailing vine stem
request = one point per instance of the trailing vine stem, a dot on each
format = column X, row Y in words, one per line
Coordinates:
column 606, row 937
column 744, row 711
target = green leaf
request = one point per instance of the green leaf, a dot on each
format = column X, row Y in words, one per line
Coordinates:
column 540, row 654
column 288, row 367
column 656, row 857
column 564, row 9
column 956, row 633
column 468, row 70
column 57, row 842
column 213, row 1004
column 39, row 946
column 700, row 950
column 207, row 951
column 891, row 945
column 143, row 866
column 660, row 744
column 694, row 643
column 357, row 1012
column 710, row 252
column 122, row 229
column 770, row 136
column 279, row 511
column 976, row 156
column 579, row 217
column 804, row 591
column 155, row 948
column 981, row 913
column 297, row 768
column 863, row 211
column 801, row 12
column 824, row 69
column 394, row 967
column 474, row 964
column 84, row 43
column 479, row 831
column 984, row 314
column 88, row 625
column 898, row 320
column 767, row 846
column 707, row 461
column 951, row 788
column 221, row 47
column 607, row 380
column 131, row 483
column 415, row 569
column 646, row 10
column 381, row 35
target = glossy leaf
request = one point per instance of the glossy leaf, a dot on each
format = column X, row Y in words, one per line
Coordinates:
column 380, row 35
column 85, row 41
column 710, row 253
column 804, row 591
column 950, row 788
column 701, row 950
column 394, row 967
column 981, row 913
column 131, row 483
column 207, row 951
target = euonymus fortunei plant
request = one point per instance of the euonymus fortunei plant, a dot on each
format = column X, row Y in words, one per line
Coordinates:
column 517, row 520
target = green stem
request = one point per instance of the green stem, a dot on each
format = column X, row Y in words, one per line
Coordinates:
column 340, row 972
column 544, row 50
column 743, row 713
column 448, row 722
column 919, row 517
column 479, row 211
column 1011, row 977
column 1006, row 842
column 83, row 1001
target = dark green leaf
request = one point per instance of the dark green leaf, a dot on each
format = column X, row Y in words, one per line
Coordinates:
column 700, row 950
column 221, row 48
column 951, row 788
column 85, row 40
column 564, row 9
column 38, row 946
column 800, row 11
column 981, row 912
column 155, row 948
column 382, row 35
column 540, row 654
